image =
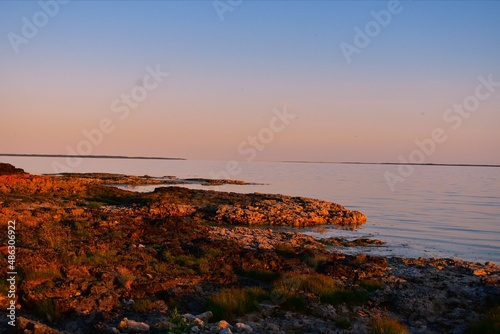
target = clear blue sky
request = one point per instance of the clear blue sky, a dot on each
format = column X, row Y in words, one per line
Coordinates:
column 226, row 77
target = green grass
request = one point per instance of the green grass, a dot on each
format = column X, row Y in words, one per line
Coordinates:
column 284, row 250
column 371, row 285
column 316, row 259
column 234, row 302
column 46, row 310
column 142, row 305
column 322, row 286
column 99, row 259
column 179, row 325
column 387, row 326
column 489, row 325
column 263, row 275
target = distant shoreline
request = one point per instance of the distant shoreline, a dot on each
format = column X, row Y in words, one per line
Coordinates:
column 392, row 163
column 86, row 156
column 285, row 161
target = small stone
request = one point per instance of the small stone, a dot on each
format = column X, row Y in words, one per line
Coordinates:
column 223, row 324
column 133, row 326
column 198, row 322
column 226, row 331
column 273, row 328
column 205, row 316
column 243, row 328
column 195, row 329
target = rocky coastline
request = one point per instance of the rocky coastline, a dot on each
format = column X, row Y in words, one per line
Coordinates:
column 93, row 258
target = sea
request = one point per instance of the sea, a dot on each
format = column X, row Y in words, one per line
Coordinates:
column 437, row 211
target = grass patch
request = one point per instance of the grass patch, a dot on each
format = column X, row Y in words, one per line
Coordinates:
column 98, row 259
column 343, row 323
column 489, row 325
column 126, row 280
column 95, row 205
column 387, row 326
column 322, row 286
column 284, row 250
column 213, row 253
column 371, row 284
column 179, row 325
column 233, row 302
column 42, row 274
column 46, row 310
column 316, row 259
column 188, row 263
column 142, row 305
column 263, row 275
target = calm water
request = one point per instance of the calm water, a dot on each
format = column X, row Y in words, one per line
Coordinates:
column 438, row 211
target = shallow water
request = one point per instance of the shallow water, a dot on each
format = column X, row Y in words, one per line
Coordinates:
column 436, row 212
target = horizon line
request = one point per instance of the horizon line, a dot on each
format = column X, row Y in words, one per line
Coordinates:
column 36, row 155
column 390, row 163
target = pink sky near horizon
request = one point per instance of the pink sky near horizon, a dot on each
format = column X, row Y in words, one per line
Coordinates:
column 372, row 110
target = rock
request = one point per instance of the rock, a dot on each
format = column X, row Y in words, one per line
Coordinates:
column 198, row 322
column 285, row 210
column 480, row 272
column 8, row 169
column 132, row 326
column 195, row 329
column 205, row 316
column 273, row 328
column 226, row 331
column 242, row 328
column 223, row 324
column 25, row 325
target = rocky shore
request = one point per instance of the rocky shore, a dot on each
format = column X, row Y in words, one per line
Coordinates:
column 93, row 258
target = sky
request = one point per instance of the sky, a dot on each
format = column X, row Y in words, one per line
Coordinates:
column 250, row 80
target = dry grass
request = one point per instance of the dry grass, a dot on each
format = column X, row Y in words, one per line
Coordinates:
column 387, row 325
column 233, row 302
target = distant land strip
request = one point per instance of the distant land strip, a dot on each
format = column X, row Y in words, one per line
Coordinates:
column 85, row 156
column 391, row 163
